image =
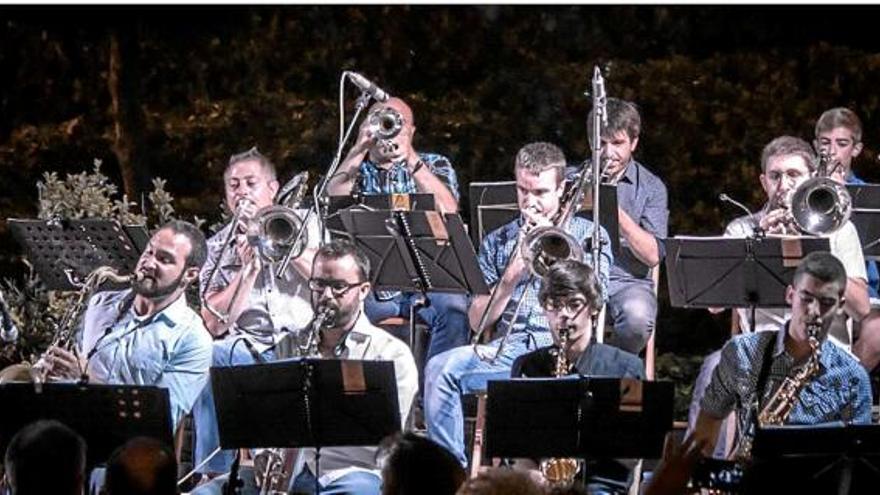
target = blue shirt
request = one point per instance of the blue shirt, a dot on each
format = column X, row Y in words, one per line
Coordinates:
column 642, row 195
column 398, row 179
column 171, row 349
column 839, row 392
column 495, row 252
column 870, row 265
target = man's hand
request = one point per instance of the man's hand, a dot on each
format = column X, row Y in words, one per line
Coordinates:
column 777, row 222
column 674, row 471
column 63, row 363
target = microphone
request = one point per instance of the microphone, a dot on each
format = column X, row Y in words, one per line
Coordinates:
column 728, row 199
column 368, row 87
column 8, row 330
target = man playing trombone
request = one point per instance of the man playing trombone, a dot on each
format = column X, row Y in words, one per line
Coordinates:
column 539, row 169
column 243, row 300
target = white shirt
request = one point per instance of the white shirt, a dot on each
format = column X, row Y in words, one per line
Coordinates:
column 370, row 343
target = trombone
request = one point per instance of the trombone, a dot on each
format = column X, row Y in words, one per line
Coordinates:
column 276, row 231
column 543, row 246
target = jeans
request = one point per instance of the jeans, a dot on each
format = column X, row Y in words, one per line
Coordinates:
column 227, row 352
column 632, row 309
column 460, row 371
column 446, row 315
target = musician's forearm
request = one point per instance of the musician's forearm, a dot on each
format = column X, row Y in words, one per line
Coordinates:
column 857, row 304
column 642, row 243
column 229, row 302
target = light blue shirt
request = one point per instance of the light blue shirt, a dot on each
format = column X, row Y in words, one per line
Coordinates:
column 171, row 349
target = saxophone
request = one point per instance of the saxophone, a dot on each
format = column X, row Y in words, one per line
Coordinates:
column 561, row 471
column 780, row 405
column 65, row 335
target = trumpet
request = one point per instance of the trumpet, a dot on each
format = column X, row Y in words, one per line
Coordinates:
column 385, row 123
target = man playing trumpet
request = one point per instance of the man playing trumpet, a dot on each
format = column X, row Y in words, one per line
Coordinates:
column 539, row 169
column 786, row 163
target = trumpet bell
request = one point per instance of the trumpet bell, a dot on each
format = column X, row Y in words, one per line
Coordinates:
column 820, row 206
column 275, row 231
column 544, row 246
column 386, row 123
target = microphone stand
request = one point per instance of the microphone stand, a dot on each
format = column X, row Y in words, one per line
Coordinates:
column 320, row 190
column 600, row 121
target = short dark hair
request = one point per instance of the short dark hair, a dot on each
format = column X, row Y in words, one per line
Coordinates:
column 622, row 116
column 341, row 248
column 840, row 117
column 415, row 464
column 539, row 156
column 788, row 145
column 46, row 457
column 199, row 247
column 142, row 466
column 253, row 154
column 566, row 278
column 824, row 267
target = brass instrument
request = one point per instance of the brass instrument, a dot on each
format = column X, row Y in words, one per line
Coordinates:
column 385, row 123
column 275, row 229
column 544, row 246
column 65, row 336
column 561, row 471
column 324, row 317
column 818, row 206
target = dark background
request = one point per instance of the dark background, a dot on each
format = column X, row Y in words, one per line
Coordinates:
column 171, row 92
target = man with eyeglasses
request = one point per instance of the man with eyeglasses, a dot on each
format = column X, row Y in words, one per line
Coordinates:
column 340, row 283
column 571, row 297
column 243, row 303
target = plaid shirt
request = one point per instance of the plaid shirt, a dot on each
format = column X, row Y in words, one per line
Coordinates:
column 495, row 253
column 399, row 180
column 839, row 392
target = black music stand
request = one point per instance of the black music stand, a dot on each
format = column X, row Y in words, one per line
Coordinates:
column 105, row 415
column 593, row 418
column 706, row 272
column 373, row 202
column 810, row 459
column 866, row 217
column 65, row 252
column 416, row 251
column 305, row 403
column 494, row 204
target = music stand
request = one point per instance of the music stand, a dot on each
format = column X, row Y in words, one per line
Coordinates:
column 706, row 272
column 494, row 204
column 594, row 418
column 430, row 253
column 866, row 217
column 824, row 459
column 305, row 403
column 105, row 415
column 65, row 252
column 372, row 202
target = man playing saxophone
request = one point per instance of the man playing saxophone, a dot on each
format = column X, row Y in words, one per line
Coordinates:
column 571, row 298
column 147, row 335
column 754, row 366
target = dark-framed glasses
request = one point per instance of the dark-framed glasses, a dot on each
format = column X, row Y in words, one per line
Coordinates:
column 573, row 305
column 337, row 287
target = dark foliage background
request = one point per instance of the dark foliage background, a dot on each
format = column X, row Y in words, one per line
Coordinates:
column 173, row 91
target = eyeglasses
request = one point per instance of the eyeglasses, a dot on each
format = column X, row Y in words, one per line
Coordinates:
column 337, row 287
column 575, row 305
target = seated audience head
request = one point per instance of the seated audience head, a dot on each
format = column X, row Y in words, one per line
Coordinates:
column 46, row 457
column 500, row 481
column 416, row 465
column 143, row 466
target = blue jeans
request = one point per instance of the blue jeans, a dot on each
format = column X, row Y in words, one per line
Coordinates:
column 446, row 316
column 632, row 308
column 460, row 371
column 228, row 352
